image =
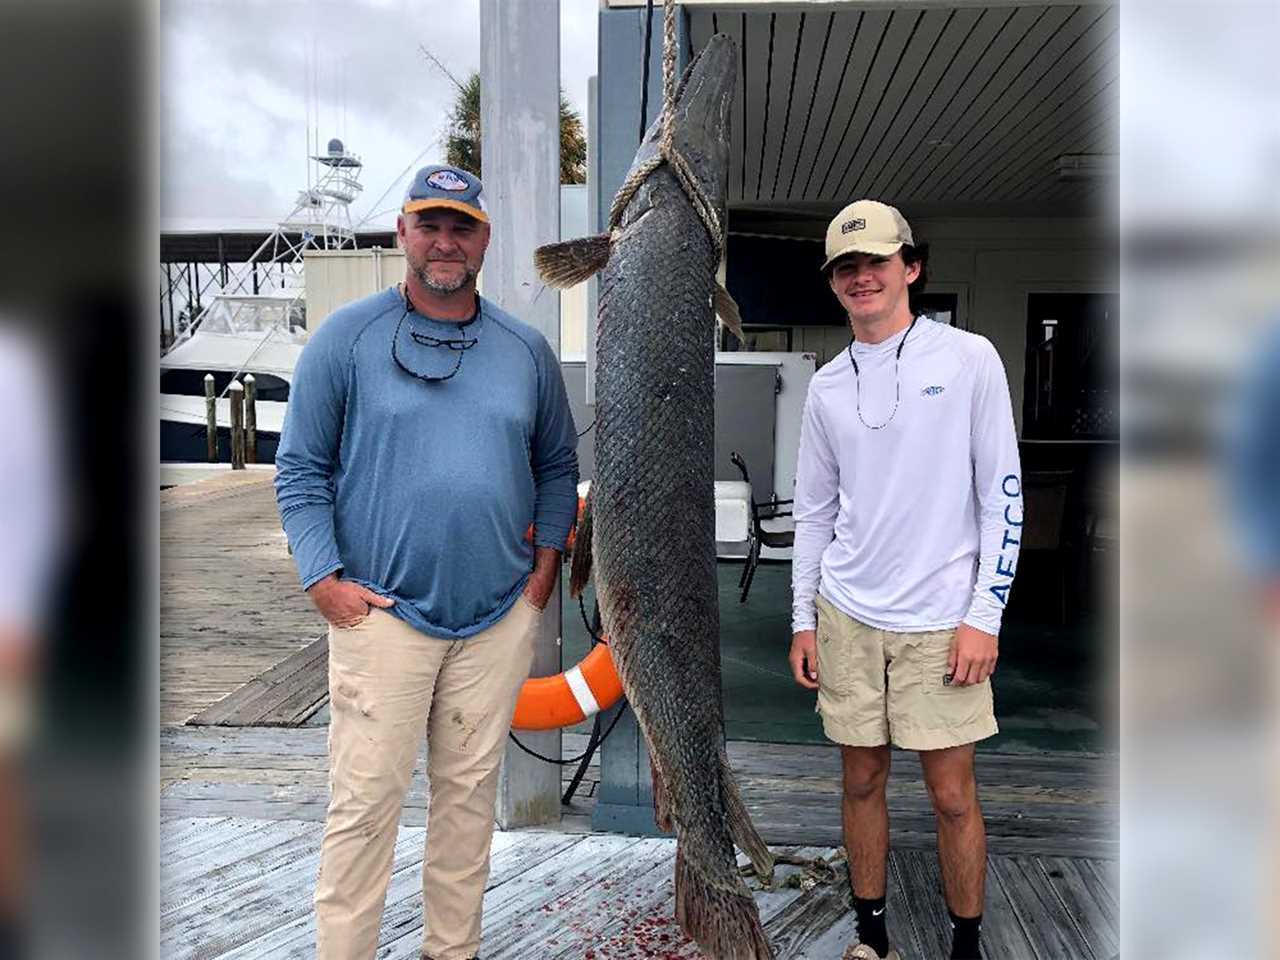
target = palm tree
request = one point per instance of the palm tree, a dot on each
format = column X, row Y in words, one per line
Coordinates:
column 462, row 134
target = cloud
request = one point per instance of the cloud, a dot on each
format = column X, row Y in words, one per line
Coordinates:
column 237, row 78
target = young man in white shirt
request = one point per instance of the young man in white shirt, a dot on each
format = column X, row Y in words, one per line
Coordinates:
column 908, row 510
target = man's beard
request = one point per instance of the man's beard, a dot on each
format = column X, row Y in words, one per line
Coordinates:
column 443, row 287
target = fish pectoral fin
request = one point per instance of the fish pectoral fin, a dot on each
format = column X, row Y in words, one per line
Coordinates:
column 580, row 567
column 570, row 262
column 727, row 311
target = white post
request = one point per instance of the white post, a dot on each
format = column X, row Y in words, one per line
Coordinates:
column 520, row 158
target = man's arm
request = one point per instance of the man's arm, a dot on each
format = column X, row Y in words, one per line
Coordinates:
column 1254, row 464
column 997, row 479
column 307, row 457
column 817, row 503
column 555, row 478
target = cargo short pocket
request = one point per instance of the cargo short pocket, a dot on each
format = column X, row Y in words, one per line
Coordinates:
column 835, row 652
column 936, row 678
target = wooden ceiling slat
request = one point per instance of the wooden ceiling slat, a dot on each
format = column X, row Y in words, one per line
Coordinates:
column 1064, row 136
column 930, row 52
column 1048, row 22
column 1017, row 105
column 846, row 32
column 788, row 34
column 755, row 49
column 811, row 54
column 862, row 89
column 1094, row 93
column 992, row 27
column 1092, row 133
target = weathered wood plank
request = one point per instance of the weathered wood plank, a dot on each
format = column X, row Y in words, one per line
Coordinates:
column 1044, row 920
column 238, row 862
column 231, row 606
column 269, row 901
column 1085, row 900
column 300, row 676
column 175, row 832
column 510, row 855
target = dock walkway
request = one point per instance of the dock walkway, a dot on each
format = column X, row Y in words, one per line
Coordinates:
column 242, row 804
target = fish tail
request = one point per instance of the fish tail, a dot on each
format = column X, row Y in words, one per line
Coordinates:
column 580, row 568
column 570, row 262
column 741, row 829
column 724, row 923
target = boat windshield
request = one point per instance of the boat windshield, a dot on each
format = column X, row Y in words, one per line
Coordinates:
column 230, row 314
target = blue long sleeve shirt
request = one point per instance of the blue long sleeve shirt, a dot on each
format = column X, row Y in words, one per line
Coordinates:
column 1254, row 461
column 424, row 491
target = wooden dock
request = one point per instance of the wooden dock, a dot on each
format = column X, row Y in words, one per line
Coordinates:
column 244, row 787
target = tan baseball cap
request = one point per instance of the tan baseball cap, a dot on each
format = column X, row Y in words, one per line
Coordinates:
column 866, row 226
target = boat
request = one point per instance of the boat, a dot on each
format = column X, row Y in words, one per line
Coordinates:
column 245, row 329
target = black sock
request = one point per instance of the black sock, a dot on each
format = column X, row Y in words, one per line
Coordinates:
column 965, row 932
column 871, row 929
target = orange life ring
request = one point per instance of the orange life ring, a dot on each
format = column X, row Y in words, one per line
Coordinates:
column 546, row 703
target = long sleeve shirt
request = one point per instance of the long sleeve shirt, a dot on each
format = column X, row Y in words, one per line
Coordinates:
column 30, row 495
column 914, row 526
column 1254, row 462
column 424, row 491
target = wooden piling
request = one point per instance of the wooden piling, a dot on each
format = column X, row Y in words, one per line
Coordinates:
column 236, row 396
column 250, row 420
column 211, row 417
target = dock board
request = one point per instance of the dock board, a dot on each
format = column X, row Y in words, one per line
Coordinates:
column 286, row 695
column 231, row 606
column 247, row 893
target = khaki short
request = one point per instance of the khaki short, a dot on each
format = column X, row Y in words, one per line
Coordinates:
column 877, row 686
column 16, row 708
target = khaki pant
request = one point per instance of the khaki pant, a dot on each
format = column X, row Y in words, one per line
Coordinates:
column 388, row 684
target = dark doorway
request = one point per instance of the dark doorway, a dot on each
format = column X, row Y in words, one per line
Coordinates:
column 1070, row 387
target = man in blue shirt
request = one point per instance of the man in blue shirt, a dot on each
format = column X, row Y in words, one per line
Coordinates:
column 426, row 431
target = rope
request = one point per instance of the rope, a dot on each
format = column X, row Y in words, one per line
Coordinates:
column 667, row 152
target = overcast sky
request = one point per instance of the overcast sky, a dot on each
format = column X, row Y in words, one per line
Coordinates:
column 234, row 79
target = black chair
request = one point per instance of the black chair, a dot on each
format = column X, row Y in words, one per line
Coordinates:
column 759, row 536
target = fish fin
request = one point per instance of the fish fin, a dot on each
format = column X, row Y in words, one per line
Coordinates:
column 661, row 800
column 727, row 311
column 724, row 923
column 741, row 829
column 580, row 568
column 570, row 262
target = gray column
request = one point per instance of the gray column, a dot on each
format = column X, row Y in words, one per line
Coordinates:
column 520, row 117
column 624, row 799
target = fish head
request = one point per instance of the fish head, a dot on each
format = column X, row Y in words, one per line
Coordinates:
column 702, row 108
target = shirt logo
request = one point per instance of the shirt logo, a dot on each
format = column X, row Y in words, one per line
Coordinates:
column 932, row 391
column 851, row 225
column 447, row 180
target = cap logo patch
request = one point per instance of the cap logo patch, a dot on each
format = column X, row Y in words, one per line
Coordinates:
column 447, row 180
column 851, row 225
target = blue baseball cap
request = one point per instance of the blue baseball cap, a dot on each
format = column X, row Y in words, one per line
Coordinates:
column 450, row 188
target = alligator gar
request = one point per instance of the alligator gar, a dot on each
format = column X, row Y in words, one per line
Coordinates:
column 648, row 529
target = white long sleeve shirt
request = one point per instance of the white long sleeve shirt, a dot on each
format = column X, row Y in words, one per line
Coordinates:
column 915, row 526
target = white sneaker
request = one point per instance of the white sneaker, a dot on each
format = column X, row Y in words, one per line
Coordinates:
column 860, row 951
